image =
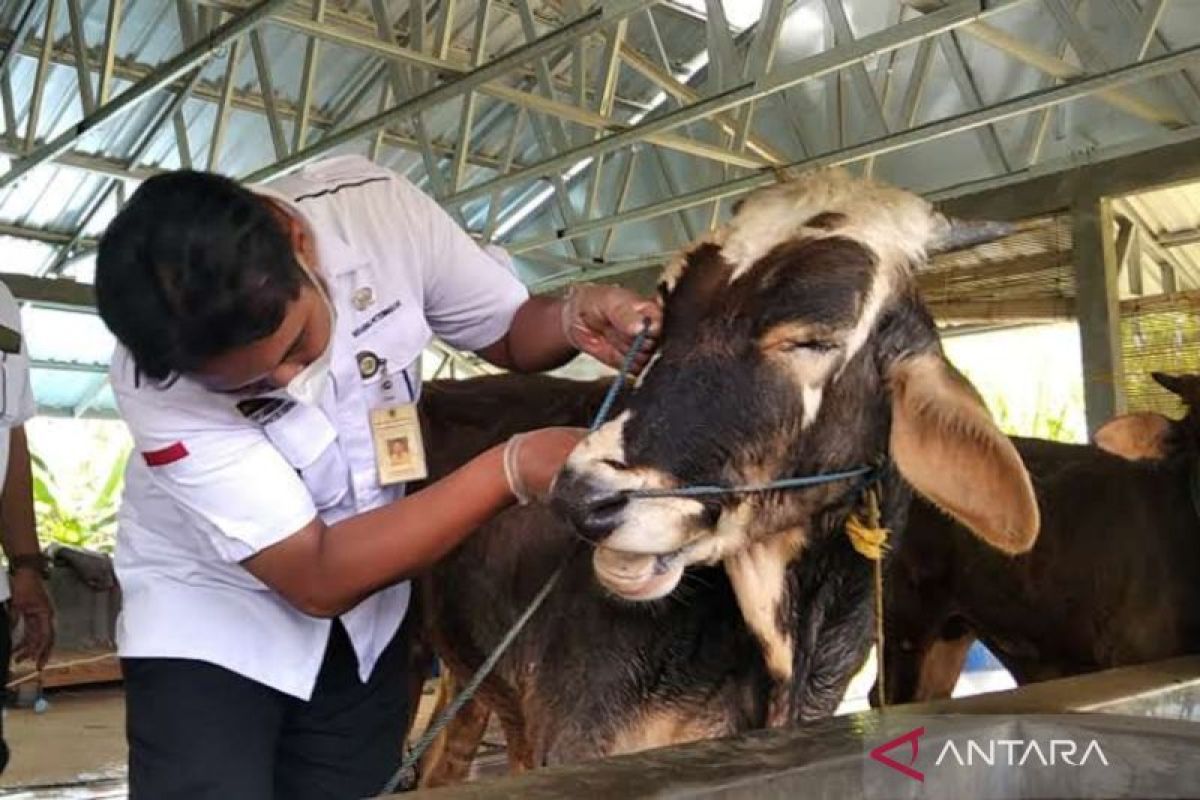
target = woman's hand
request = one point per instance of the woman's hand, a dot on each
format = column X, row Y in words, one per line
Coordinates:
column 533, row 460
column 603, row 322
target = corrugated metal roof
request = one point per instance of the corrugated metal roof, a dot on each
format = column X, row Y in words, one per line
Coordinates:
column 817, row 116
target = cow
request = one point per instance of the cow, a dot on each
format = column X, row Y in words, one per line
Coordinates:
column 794, row 343
column 1113, row 580
column 1148, row 435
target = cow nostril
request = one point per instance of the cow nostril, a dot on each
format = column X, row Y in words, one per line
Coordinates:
column 594, row 509
column 601, row 516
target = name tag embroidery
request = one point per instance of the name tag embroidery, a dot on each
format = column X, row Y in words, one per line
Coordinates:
column 376, row 318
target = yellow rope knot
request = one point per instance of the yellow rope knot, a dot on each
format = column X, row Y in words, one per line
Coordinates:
column 868, row 536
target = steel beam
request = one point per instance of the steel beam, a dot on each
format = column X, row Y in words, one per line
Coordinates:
column 596, row 19
column 1058, row 67
column 759, row 62
column 1098, row 308
column 685, row 94
column 83, row 74
column 112, row 28
column 466, row 121
column 221, row 122
column 262, row 66
column 210, row 93
column 20, row 32
column 922, row 134
column 44, row 235
column 60, row 293
column 493, row 215
column 816, row 66
column 1147, row 26
column 602, row 122
column 1179, row 238
column 39, row 83
column 312, row 57
column 10, row 111
column 622, row 195
column 867, row 98
column 723, row 69
column 989, row 140
column 550, row 133
column 918, row 78
column 72, row 250
column 135, row 95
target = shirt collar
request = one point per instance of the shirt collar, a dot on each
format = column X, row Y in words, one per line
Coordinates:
column 335, row 255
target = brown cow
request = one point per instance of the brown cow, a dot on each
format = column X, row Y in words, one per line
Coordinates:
column 793, row 343
column 1113, row 580
column 1147, row 435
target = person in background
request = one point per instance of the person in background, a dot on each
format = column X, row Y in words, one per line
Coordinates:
column 23, row 589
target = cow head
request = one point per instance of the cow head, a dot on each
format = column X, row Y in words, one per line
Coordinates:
column 793, row 343
column 1147, row 435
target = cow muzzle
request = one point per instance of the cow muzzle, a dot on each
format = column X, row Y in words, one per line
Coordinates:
column 630, row 561
column 594, row 509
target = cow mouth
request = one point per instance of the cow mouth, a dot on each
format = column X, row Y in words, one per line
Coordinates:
column 638, row 576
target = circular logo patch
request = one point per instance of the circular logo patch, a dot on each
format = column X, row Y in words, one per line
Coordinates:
column 368, row 364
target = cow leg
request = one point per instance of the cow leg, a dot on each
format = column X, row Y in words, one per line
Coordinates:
column 516, row 741
column 448, row 759
column 940, row 667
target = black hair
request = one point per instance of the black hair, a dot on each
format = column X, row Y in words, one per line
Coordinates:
column 192, row 267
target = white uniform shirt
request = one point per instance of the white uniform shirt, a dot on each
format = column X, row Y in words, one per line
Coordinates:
column 214, row 482
column 16, row 395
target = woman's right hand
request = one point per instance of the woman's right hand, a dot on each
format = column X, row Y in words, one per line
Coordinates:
column 532, row 460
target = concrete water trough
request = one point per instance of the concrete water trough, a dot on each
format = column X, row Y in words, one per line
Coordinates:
column 1144, row 720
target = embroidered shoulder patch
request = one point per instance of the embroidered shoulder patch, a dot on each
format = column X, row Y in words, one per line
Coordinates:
column 166, row 455
column 264, row 410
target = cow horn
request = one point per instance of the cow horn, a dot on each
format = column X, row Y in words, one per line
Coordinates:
column 959, row 234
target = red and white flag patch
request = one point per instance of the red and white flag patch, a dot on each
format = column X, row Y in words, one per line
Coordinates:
column 166, row 455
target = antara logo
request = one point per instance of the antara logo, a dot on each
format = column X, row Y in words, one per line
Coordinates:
column 1018, row 752
column 912, row 739
column 1006, row 752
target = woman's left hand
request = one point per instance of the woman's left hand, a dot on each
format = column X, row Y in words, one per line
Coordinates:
column 603, row 322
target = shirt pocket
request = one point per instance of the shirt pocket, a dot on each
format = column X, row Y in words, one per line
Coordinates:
column 307, row 440
column 398, row 341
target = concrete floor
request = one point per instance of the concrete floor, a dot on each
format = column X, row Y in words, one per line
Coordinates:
column 75, row 749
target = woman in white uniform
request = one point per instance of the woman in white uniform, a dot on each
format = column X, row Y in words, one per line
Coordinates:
column 267, row 369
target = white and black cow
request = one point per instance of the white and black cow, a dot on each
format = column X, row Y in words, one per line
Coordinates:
column 794, row 343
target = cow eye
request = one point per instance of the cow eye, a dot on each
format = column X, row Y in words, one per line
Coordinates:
column 809, row 345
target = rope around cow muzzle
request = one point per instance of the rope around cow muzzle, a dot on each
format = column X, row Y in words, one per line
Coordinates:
column 406, row 773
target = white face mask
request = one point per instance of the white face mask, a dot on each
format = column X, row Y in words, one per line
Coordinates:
column 309, row 384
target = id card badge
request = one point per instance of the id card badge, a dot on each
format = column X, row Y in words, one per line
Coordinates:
column 396, row 432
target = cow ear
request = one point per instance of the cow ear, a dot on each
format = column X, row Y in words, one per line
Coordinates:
column 1171, row 383
column 1141, row 435
column 945, row 444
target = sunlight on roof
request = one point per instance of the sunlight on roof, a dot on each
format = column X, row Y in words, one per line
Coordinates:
column 740, row 14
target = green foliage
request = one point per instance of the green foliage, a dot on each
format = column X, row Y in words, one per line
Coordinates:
column 1042, row 423
column 87, row 519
